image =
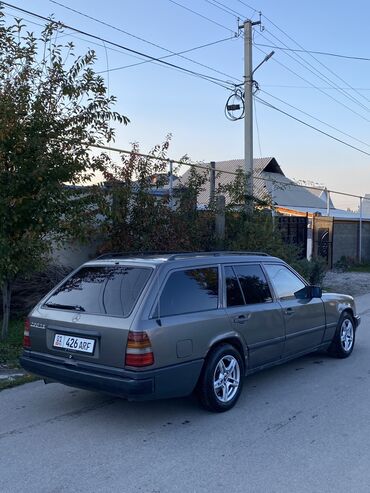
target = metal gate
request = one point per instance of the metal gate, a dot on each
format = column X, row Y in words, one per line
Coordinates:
column 294, row 232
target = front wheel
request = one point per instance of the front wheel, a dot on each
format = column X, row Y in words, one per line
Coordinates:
column 344, row 337
column 221, row 381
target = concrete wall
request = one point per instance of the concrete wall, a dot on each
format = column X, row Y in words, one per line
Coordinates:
column 366, row 241
column 345, row 240
column 75, row 254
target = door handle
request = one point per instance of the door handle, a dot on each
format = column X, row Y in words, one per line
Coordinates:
column 289, row 311
column 241, row 319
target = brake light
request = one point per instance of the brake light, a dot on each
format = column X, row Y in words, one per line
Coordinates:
column 139, row 350
column 26, row 334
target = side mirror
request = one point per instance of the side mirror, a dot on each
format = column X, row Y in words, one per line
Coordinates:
column 308, row 292
column 316, row 291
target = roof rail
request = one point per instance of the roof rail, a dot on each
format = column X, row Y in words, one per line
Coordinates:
column 134, row 254
column 178, row 255
column 214, row 254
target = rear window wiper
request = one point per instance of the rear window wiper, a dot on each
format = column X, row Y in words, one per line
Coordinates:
column 66, row 307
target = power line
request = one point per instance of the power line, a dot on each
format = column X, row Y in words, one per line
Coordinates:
column 179, row 54
column 221, row 6
column 201, row 15
column 209, row 78
column 315, row 118
column 269, row 105
column 312, row 69
column 304, row 50
column 286, row 86
column 316, row 87
column 224, row 10
column 325, row 53
column 312, row 56
column 77, row 37
column 249, row 6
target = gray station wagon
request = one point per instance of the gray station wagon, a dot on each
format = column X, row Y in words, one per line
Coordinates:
column 159, row 326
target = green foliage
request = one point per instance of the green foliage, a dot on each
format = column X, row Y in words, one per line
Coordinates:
column 344, row 263
column 138, row 214
column 313, row 270
column 53, row 107
column 139, row 219
column 257, row 233
column 11, row 346
column 28, row 291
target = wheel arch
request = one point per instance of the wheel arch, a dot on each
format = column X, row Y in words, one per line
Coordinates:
column 348, row 310
column 235, row 340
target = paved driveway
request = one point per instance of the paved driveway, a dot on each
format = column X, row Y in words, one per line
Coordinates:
column 301, row 427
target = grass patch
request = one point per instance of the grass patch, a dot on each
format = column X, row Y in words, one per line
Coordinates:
column 11, row 347
column 14, row 382
column 360, row 268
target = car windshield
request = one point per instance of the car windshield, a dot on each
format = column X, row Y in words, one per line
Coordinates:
column 110, row 290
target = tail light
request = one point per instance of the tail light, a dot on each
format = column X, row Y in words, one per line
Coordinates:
column 26, row 334
column 139, row 350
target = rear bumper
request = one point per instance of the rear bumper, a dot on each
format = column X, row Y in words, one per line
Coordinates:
column 173, row 381
column 357, row 320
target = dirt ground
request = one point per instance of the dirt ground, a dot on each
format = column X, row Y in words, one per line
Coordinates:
column 353, row 283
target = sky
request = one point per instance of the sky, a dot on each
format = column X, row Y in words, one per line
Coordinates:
column 159, row 100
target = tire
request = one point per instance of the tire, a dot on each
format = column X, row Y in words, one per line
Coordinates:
column 219, row 391
column 344, row 337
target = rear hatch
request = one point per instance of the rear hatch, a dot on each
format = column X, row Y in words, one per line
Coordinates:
column 89, row 315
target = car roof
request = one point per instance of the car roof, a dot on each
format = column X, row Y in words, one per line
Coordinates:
column 181, row 258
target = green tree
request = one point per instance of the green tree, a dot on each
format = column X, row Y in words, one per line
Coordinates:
column 53, row 107
column 136, row 205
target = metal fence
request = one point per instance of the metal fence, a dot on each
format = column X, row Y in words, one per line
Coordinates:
column 265, row 188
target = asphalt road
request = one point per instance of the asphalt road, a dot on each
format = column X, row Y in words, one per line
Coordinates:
column 301, row 427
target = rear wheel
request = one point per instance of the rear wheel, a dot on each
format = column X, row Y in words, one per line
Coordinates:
column 344, row 337
column 222, row 378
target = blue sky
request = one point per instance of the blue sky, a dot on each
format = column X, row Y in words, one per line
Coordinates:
column 160, row 100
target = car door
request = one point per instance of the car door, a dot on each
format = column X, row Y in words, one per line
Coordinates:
column 304, row 318
column 253, row 312
column 186, row 315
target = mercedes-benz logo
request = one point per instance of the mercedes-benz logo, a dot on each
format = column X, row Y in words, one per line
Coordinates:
column 76, row 318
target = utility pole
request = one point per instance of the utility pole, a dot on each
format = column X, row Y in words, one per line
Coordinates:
column 248, row 110
column 248, row 113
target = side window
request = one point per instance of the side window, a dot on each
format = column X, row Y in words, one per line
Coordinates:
column 234, row 296
column 284, row 281
column 187, row 291
column 254, row 284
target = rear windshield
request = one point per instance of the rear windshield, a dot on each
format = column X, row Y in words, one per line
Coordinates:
column 109, row 290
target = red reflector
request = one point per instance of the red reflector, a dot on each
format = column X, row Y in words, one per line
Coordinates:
column 26, row 334
column 139, row 350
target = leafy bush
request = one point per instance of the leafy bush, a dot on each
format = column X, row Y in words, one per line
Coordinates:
column 28, row 291
column 256, row 232
column 11, row 346
column 344, row 264
column 137, row 220
column 313, row 270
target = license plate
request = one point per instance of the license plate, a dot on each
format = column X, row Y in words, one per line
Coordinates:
column 73, row 343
